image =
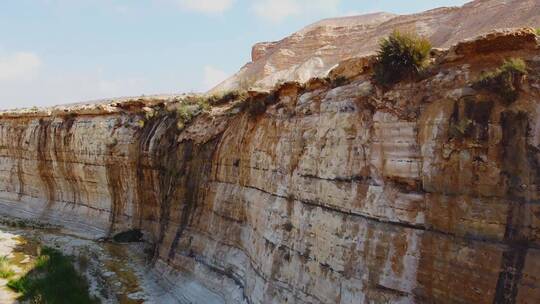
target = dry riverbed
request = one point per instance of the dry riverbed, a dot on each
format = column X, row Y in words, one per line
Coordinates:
column 116, row 273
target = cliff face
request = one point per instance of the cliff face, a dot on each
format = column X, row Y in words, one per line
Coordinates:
column 315, row 193
column 314, row 50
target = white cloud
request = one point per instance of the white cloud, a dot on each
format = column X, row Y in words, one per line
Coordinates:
column 58, row 87
column 278, row 10
column 27, row 80
column 213, row 76
column 18, row 66
column 206, row 6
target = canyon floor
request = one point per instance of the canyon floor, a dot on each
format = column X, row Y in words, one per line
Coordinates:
column 116, row 273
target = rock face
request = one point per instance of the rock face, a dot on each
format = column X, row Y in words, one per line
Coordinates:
column 318, row 193
column 313, row 51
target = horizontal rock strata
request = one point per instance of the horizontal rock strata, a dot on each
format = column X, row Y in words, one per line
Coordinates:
column 314, row 193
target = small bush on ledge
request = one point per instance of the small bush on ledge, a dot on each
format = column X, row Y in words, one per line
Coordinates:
column 190, row 108
column 226, row 97
column 401, row 56
column 504, row 81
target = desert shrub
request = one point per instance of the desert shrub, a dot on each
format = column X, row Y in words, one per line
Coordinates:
column 190, row 107
column 226, row 97
column 201, row 101
column 505, row 81
column 184, row 109
column 186, row 112
column 400, row 56
column 515, row 65
column 538, row 31
column 150, row 114
column 5, row 269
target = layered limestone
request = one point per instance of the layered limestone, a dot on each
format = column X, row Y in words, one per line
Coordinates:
column 333, row 191
column 316, row 49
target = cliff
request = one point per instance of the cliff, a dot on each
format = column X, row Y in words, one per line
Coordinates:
column 333, row 191
column 316, row 49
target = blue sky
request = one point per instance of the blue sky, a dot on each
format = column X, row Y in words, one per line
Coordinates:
column 59, row 51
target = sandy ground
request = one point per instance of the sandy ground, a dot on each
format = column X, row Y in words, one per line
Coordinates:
column 8, row 245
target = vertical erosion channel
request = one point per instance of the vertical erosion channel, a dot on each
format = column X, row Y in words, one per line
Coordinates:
column 518, row 171
column 45, row 168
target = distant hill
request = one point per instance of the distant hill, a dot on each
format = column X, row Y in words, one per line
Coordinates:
column 314, row 50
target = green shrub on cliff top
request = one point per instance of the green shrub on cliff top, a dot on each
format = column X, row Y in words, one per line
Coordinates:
column 504, row 81
column 186, row 108
column 400, row 56
column 190, row 107
column 226, row 97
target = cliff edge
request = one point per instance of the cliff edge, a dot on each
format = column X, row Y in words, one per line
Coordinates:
column 331, row 191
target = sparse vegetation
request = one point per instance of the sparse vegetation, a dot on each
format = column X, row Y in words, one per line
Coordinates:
column 504, row 81
column 401, row 56
column 538, row 31
column 184, row 109
column 459, row 129
column 25, row 223
column 190, row 107
column 226, row 97
column 186, row 112
column 5, row 270
column 150, row 114
column 53, row 280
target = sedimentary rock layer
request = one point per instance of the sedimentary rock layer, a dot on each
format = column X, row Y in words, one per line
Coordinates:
column 328, row 192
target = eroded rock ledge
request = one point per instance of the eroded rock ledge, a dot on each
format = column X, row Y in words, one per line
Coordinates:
column 334, row 191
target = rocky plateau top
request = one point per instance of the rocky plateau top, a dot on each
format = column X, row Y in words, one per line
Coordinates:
column 316, row 49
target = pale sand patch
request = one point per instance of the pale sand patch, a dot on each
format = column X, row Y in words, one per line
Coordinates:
column 8, row 242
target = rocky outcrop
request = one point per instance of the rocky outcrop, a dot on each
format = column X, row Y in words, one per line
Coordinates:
column 316, row 49
column 328, row 192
